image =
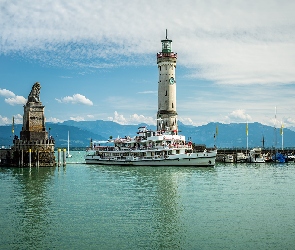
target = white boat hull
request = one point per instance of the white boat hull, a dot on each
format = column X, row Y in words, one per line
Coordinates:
column 205, row 161
column 257, row 160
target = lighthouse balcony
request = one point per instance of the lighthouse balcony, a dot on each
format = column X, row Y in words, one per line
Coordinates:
column 167, row 54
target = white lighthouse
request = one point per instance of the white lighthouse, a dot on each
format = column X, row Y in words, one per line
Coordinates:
column 167, row 115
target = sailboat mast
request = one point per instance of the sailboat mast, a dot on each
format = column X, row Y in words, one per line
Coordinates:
column 275, row 127
column 68, row 142
column 247, row 135
column 282, row 134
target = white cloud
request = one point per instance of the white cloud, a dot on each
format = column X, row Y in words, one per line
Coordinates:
column 4, row 120
column 77, row 118
column 18, row 119
column 53, row 119
column 75, row 99
column 229, row 42
column 289, row 122
column 186, row 121
column 238, row 116
column 12, row 99
column 132, row 119
column 6, row 93
column 16, row 100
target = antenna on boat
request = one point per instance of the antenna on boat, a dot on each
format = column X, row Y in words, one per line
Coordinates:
column 166, row 35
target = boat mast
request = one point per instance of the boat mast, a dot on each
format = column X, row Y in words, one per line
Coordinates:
column 68, row 142
column 247, row 135
column 282, row 134
column 275, row 128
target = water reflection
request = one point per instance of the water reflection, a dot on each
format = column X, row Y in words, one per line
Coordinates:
column 156, row 197
column 97, row 207
column 32, row 216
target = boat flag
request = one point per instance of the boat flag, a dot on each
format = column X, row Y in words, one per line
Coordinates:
column 12, row 129
column 247, row 128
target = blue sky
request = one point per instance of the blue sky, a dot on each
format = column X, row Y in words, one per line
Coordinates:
column 96, row 60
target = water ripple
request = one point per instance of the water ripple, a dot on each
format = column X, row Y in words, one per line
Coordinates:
column 81, row 206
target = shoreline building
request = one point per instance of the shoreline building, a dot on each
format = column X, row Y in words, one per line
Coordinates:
column 167, row 115
column 33, row 148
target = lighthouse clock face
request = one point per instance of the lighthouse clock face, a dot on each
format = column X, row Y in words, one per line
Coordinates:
column 171, row 80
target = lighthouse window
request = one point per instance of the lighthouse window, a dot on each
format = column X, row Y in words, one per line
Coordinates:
column 172, row 105
column 166, row 93
column 160, row 68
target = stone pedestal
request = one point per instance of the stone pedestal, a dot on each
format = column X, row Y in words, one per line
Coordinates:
column 33, row 148
column 33, row 122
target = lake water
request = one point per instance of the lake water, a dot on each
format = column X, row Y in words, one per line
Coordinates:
column 229, row 206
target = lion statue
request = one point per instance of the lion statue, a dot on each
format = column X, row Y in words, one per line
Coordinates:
column 35, row 92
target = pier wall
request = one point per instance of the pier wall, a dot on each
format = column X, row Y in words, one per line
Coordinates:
column 222, row 153
column 245, row 151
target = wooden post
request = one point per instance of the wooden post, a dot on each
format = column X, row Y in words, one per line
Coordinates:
column 64, row 157
column 58, row 157
column 30, row 157
column 22, row 159
column 37, row 158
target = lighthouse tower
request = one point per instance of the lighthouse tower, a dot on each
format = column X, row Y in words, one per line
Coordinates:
column 167, row 115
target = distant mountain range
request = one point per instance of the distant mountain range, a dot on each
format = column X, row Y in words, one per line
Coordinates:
column 231, row 135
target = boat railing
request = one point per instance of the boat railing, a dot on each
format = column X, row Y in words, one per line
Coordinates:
column 142, row 147
column 148, row 157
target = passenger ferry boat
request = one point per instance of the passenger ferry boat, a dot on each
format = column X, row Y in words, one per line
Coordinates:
column 150, row 148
